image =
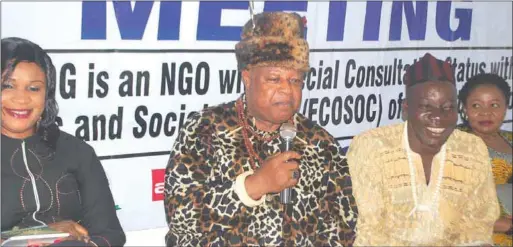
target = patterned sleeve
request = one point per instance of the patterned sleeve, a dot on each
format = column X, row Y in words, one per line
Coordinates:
column 482, row 208
column 339, row 212
column 367, row 190
column 196, row 203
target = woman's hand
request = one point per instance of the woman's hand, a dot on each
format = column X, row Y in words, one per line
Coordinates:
column 75, row 230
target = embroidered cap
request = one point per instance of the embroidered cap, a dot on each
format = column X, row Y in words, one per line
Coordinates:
column 428, row 68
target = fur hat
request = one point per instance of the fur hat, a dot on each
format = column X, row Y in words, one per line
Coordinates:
column 277, row 39
column 428, row 68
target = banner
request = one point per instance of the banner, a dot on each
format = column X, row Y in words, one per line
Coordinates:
column 129, row 73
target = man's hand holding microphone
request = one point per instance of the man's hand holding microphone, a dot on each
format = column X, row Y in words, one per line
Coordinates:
column 278, row 173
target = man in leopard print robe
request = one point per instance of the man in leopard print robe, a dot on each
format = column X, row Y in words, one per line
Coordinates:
column 226, row 169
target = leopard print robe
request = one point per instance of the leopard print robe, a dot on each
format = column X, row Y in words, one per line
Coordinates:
column 202, row 208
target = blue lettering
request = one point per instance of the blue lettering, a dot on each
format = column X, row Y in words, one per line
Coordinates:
column 372, row 20
column 443, row 28
column 132, row 19
column 132, row 23
column 336, row 21
column 270, row 6
column 169, row 20
column 209, row 21
column 415, row 19
column 94, row 20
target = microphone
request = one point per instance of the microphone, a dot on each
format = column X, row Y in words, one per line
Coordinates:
column 287, row 133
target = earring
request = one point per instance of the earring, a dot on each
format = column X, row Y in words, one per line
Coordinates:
column 38, row 123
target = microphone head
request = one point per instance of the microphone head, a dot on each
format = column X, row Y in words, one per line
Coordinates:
column 288, row 131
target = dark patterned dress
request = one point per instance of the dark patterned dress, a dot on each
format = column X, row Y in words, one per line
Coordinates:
column 42, row 187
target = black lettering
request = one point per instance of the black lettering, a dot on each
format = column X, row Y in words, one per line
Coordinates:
column 115, row 122
column 305, row 107
column 360, row 76
column 371, row 101
column 324, row 119
column 82, row 131
column 202, row 67
column 168, row 79
column 351, row 65
column 359, row 107
column 370, row 76
column 182, row 116
column 64, row 81
column 169, row 131
column 185, row 87
column 310, row 83
column 99, row 79
column 155, row 124
column 139, row 112
column 312, row 111
column 90, row 89
column 99, row 123
column 336, row 110
column 227, row 81
column 379, row 75
column 348, row 118
column 319, row 78
column 126, row 88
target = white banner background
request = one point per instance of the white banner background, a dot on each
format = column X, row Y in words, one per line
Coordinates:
column 130, row 158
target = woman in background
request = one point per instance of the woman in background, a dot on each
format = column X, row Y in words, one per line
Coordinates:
column 48, row 176
column 485, row 100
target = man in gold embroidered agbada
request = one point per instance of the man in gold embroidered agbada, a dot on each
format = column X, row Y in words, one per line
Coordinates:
column 423, row 183
column 226, row 170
